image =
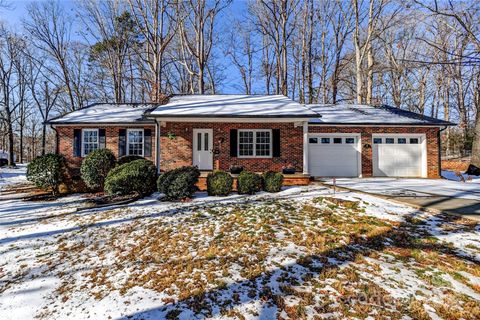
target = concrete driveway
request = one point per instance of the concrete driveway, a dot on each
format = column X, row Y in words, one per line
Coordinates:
column 438, row 195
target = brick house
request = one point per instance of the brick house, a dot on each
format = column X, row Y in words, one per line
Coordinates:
column 258, row 133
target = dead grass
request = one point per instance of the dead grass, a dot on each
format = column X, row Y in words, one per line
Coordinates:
column 325, row 255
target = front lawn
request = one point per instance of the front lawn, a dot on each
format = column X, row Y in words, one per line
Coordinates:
column 301, row 253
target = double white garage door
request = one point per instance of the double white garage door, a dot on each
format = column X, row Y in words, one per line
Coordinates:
column 393, row 155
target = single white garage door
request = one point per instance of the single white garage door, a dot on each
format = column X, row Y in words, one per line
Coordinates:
column 398, row 155
column 333, row 155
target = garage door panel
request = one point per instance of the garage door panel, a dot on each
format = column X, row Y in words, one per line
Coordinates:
column 397, row 159
column 333, row 160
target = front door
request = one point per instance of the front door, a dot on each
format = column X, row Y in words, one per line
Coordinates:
column 202, row 148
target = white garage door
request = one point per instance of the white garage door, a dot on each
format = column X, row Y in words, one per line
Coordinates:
column 398, row 156
column 333, row 155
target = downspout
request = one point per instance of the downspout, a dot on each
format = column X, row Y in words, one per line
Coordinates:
column 157, row 145
column 440, row 151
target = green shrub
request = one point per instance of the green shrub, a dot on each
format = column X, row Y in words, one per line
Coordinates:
column 219, row 183
column 127, row 159
column 249, row 182
column 138, row 176
column 95, row 168
column 178, row 183
column 47, row 171
column 272, row 181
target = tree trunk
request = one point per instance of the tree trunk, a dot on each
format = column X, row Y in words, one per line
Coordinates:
column 44, row 138
column 11, row 159
column 476, row 141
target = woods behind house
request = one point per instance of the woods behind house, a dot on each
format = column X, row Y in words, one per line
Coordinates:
column 422, row 56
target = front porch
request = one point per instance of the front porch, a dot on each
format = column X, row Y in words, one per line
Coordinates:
column 297, row 179
column 255, row 146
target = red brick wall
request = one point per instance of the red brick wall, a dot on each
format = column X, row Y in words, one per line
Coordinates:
column 366, row 136
column 65, row 141
column 178, row 151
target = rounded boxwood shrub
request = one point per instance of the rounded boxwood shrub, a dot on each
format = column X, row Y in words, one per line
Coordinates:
column 249, row 182
column 96, row 166
column 47, row 171
column 272, row 181
column 127, row 159
column 138, row 176
column 178, row 184
column 219, row 183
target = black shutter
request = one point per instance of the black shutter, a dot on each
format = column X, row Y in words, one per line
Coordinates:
column 233, row 143
column 276, row 142
column 102, row 143
column 77, row 142
column 147, row 143
column 122, row 142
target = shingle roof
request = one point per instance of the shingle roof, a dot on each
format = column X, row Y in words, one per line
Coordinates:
column 106, row 113
column 351, row 114
column 232, row 106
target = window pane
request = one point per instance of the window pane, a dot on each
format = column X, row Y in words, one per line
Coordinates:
column 413, row 140
column 199, row 141
column 262, row 145
column 337, row 140
column 349, row 140
column 377, row 140
column 402, row 140
column 90, row 141
column 313, row 140
column 325, row 140
column 245, row 143
column 389, row 141
column 135, row 142
column 206, row 141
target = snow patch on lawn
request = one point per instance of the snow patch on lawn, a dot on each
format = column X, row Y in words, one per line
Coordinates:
column 12, row 176
column 297, row 253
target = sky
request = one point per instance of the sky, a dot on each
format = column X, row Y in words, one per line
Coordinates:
column 237, row 9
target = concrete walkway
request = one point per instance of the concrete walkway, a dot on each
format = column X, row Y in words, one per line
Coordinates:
column 437, row 195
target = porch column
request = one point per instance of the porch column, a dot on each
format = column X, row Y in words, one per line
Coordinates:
column 157, row 145
column 305, row 147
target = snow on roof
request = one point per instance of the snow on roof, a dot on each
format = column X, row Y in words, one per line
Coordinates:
column 368, row 114
column 232, row 106
column 106, row 113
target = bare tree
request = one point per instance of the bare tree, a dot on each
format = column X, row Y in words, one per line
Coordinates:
column 50, row 27
column 241, row 50
column 12, row 83
column 158, row 29
column 196, row 26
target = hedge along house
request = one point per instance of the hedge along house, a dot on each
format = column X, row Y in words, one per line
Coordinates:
column 258, row 133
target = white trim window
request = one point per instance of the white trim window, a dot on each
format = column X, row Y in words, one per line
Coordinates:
column 254, row 143
column 90, row 141
column 135, row 142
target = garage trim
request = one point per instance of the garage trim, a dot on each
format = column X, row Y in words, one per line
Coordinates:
column 358, row 138
column 423, row 144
